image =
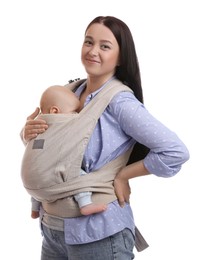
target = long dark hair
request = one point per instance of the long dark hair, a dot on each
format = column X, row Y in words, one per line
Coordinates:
column 128, row 71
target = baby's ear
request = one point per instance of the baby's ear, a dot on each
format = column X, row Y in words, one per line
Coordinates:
column 54, row 110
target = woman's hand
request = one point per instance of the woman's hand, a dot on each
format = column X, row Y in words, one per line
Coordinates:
column 33, row 126
column 122, row 190
column 121, row 181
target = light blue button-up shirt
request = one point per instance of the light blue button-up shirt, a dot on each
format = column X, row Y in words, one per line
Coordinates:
column 124, row 121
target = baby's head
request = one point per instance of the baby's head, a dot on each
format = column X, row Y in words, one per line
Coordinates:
column 58, row 99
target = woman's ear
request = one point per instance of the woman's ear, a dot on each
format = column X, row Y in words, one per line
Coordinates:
column 54, row 110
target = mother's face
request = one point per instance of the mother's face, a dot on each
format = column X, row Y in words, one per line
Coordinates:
column 100, row 51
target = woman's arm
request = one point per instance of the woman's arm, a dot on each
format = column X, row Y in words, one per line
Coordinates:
column 167, row 152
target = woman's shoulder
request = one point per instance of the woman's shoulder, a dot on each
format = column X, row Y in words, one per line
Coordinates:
column 124, row 100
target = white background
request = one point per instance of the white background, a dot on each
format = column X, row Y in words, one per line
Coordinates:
column 40, row 46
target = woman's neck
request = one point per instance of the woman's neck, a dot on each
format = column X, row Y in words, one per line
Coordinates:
column 94, row 83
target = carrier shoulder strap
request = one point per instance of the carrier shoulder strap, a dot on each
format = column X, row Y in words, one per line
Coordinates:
column 98, row 104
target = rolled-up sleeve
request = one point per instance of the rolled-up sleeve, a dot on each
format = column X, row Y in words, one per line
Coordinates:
column 167, row 151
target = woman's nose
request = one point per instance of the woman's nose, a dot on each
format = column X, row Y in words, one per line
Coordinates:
column 94, row 50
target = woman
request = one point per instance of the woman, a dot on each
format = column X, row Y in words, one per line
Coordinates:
column 108, row 53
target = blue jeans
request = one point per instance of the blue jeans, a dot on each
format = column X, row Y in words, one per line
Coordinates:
column 119, row 246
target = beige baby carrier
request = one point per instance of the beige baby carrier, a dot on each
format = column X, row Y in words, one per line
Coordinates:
column 51, row 163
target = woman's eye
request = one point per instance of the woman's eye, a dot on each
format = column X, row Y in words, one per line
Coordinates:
column 87, row 42
column 105, row 47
